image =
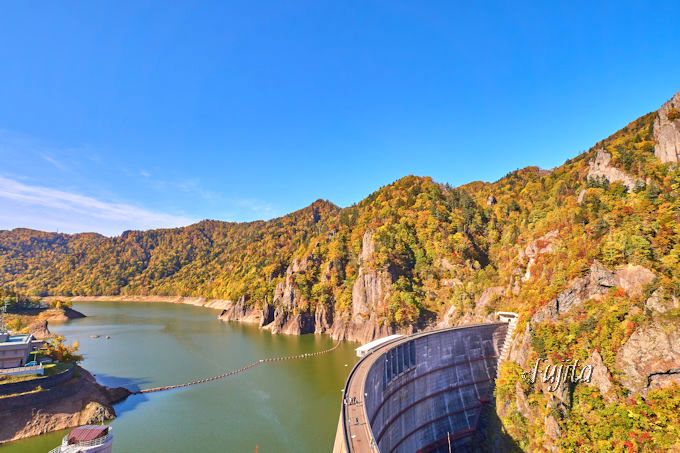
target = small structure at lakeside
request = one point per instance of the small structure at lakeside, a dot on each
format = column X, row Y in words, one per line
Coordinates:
column 369, row 347
column 15, row 350
column 87, row 439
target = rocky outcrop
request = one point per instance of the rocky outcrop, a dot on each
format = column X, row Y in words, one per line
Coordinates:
column 633, row 279
column 242, row 311
column 601, row 378
column 659, row 303
column 489, row 295
column 597, row 283
column 346, row 329
column 667, row 131
column 600, row 168
column 267, row 314
column 370, row 293
column 369, row 297
column 292, row 314
column 650, row 358
column 520, row 348
column 323, row 319
column 581, row 196
column 368, row 290
column 542, row 245
column 78, row 401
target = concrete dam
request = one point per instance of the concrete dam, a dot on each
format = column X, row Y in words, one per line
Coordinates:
column 424, row 392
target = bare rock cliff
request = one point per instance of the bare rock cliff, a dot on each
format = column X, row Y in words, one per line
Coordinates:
column 631, row 278
column 600, row 167
column 651, row 357
column 292, row 313
column 241, row 311
column 667, row 131
column 369, row 300
column 598, row 281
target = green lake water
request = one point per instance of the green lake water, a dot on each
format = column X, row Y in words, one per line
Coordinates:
column 290, row 406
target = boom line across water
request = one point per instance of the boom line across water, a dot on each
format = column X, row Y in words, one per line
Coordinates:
column 308, row 355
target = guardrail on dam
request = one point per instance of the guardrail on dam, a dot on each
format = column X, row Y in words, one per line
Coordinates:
column 423, row 392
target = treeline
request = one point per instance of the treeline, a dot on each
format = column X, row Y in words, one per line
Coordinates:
column 440, row 245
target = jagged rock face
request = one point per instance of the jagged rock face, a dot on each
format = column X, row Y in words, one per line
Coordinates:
column 581, row 196
column 290, row 313
column 631, row 278
column 667, row 131
column 323, row 319
column 368, row 290
column 39, row 329
column 598, row 282
column 650, row 358
column 367, row 293
column 241, row 311
column 344, row 329
column 286, row 293
column 267, row 314
column 288, row 318
column 600, row 168
column 292, row 324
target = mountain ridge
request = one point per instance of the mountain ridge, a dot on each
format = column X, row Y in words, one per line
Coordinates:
column 588, row 254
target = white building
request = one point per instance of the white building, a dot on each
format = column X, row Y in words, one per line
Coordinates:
column 15, row 349
column 369, row 347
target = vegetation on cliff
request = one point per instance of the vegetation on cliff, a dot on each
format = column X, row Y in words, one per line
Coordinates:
column 532, row 233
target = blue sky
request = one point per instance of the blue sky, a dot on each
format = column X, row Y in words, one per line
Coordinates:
column 134, row 115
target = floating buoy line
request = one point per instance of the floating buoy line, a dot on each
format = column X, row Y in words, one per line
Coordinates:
column 260, row 362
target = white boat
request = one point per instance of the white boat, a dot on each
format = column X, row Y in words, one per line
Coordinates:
column 87, row 439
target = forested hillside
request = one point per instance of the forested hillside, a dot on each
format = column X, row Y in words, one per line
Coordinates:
column 435, row 244
column 587, row 253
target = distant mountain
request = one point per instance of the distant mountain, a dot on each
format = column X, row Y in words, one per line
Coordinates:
column 587, row 253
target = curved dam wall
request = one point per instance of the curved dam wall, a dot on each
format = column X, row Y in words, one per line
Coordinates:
column 429, row 389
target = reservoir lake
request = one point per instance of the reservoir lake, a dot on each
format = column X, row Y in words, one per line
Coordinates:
column 288, row 406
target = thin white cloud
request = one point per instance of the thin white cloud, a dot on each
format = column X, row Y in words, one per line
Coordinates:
column 44, row 207
column 52, row 160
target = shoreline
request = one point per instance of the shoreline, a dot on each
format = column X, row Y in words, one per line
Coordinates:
column 340, row 328
column 216, row 304
column 47, row 404
column 66, row 400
